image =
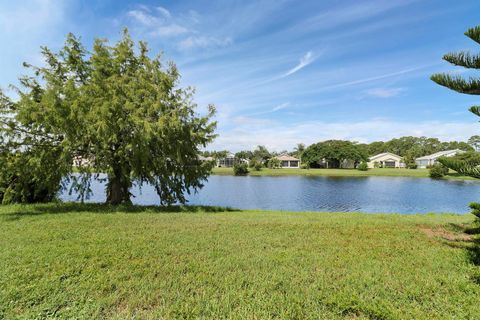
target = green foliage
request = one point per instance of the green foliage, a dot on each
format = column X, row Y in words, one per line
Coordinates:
column 117, row 108
column 298, row 151
column 31, row 176
column 438, row 171
column 411, row 165
column 475, row 206
column 304, row 166
column 262, row 153
column 274, row 163
column 474, row 141
column 469, row 166
column 333, row 151
column 240, row 169
column 247, row 155
column 363, row 166
column 409, row 161
column 256, row 164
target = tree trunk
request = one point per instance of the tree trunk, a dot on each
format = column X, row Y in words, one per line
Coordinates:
column 118, row 188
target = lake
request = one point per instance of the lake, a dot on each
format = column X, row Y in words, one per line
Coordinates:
column 300, row 193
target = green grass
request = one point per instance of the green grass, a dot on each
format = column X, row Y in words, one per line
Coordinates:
column 93, row 261
column 417, row 173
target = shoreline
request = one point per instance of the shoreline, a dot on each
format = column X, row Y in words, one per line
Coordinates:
column 407, row 173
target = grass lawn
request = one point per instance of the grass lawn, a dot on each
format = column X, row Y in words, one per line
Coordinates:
column 418, row 173
column 92, row 261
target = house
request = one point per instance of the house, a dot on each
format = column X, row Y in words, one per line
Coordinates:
column 230, row 160
column 430, row 160
column 287, row 161
column 386, row 160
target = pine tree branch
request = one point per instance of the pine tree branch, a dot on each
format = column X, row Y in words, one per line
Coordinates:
column 456, row 83
column 475, row 110
column 474, row 34
column 463, row 59
column 462, row 167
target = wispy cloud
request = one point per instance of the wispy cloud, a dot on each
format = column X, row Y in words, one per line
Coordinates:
column 281, row 107
column 181, row 28
column 384, row 92
column 274, row 109
column 307, row 59
column 203, row 42
column 164, row 12
column 379, row 77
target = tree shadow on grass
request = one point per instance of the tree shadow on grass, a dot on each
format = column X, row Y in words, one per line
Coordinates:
column 471, row 244
column 18, row 211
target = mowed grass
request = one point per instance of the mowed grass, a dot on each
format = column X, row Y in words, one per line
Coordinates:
column 386, row 172
column 93, row 261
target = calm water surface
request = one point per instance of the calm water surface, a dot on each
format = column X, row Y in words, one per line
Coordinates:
column 299, row 193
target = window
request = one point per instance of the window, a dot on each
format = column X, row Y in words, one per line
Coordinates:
column 293, row 163
column 389, row 164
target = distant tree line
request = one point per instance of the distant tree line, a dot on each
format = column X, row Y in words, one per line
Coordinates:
column 336, row 152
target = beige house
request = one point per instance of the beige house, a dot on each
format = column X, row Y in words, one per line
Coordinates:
column 287, row 161
column 386, row 160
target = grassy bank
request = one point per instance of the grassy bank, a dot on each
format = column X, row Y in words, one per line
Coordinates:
column 417, row 173
column 73, row 261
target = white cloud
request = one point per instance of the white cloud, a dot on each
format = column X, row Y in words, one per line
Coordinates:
column 181, row 28
column 281, row 107
column 250, row 132
column 143, row 17
column 171, row 30
column 158, row 22
column 204, row 42
column 375, row 78
column 304, row 61
column 384, row 92
column 164, row 12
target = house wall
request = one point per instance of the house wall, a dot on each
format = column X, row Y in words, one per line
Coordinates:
column 290, row 164
column 387, row 158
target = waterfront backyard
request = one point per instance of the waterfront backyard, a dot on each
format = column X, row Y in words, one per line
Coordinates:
column 97, row 261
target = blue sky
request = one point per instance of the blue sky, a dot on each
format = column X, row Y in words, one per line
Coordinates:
column 280, row 72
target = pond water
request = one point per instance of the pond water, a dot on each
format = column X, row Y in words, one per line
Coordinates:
column 300, row 193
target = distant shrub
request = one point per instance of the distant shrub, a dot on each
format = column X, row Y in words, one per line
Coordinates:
column 240, row 169
column 274, row 163
column 412, row 165
column 438, row 171
column 376, row 164
column 363, row 166
column 304, row 166
column 256, row 164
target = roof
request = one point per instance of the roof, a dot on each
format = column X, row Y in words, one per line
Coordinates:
column 286, row 157
column 440, row 154
column 385, row 154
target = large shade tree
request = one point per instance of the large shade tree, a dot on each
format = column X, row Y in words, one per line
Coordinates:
column 117, row 110
column 334, row 152
column 466, row 86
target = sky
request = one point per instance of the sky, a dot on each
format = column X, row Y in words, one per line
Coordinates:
column 280, row 72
